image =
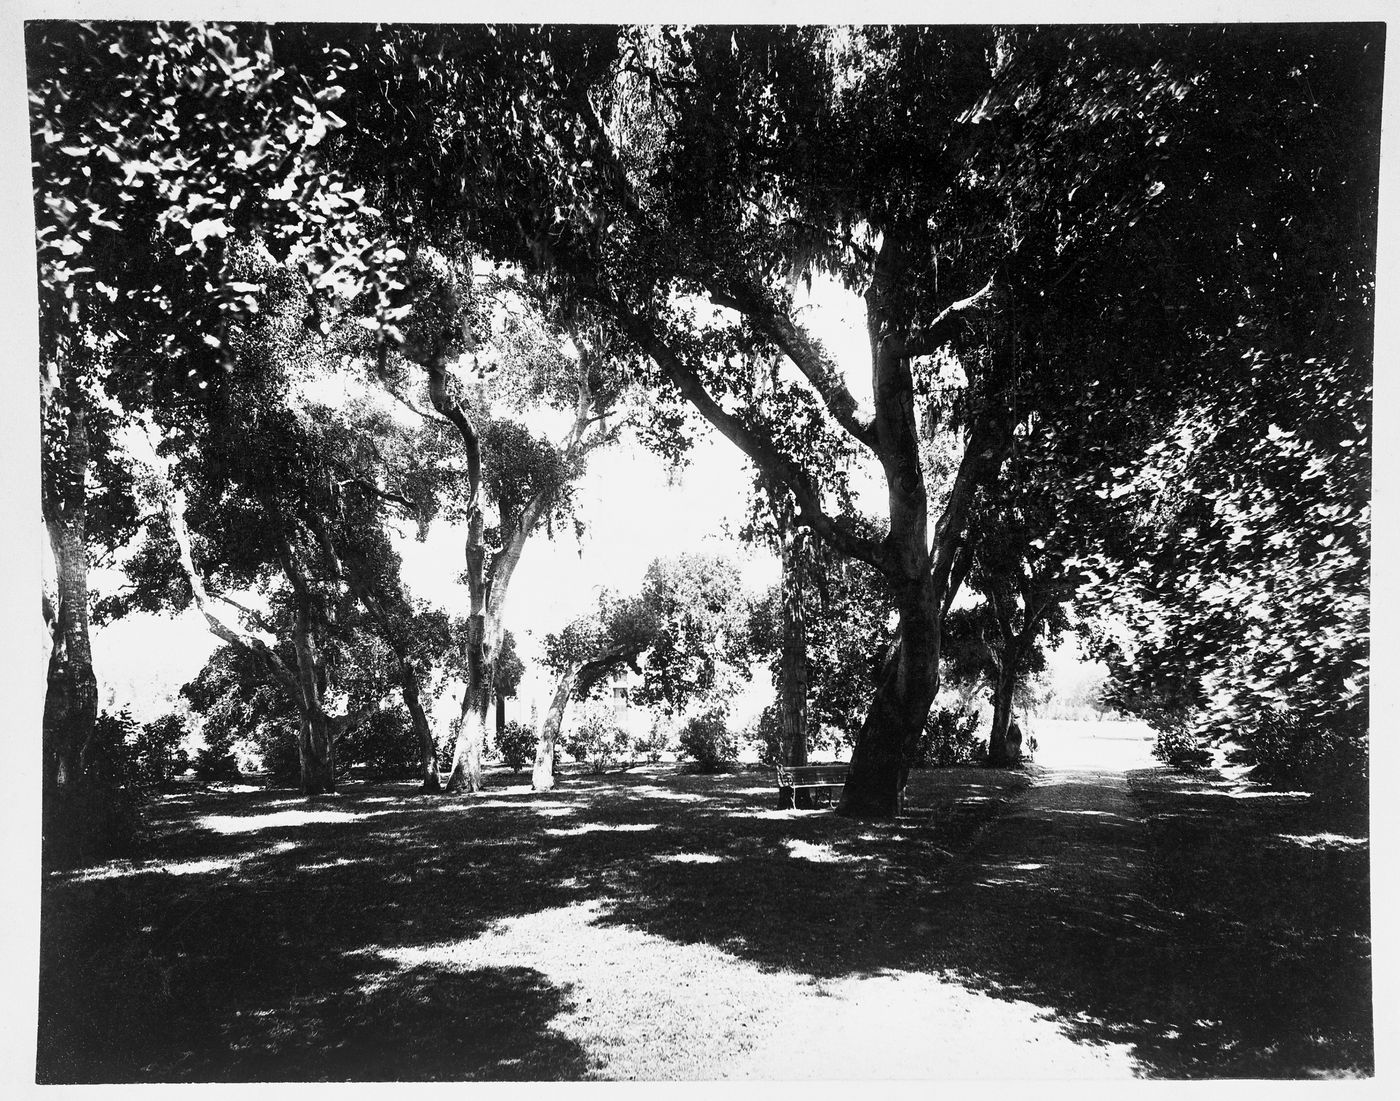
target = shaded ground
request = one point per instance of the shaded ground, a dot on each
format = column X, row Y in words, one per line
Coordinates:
column 659, row 925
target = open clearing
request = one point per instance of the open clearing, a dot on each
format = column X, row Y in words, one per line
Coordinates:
column 1062, row 921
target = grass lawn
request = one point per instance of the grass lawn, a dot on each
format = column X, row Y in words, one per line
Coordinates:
column 654, row 924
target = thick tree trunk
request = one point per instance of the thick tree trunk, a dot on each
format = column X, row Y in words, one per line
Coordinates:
column 1003, row 751
column 70, row 704
column 427, row 745
column 887, row 739
column 476, row 706
column 316, row 747
column 543, row 776
column 70, row 700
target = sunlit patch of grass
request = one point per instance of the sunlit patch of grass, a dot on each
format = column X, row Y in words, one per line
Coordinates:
column 688, row 858
column 676, row 925
column 1325, row 840
column 600, row 827
column 819, row 854
column 227, row 823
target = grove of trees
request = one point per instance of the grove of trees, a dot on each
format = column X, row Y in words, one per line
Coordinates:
column 305, row 288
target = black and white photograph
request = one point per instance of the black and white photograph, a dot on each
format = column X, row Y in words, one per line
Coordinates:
column 773, row 544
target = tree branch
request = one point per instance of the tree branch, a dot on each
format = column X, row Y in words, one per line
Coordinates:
column 767, row 457
column 808, row 355
column 370, row 487
column 930, row 338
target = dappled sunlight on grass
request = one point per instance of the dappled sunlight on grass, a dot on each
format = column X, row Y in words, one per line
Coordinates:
column 1326, row 840
column 787, row 815
column 598, row 827
column 548, row 808
column 819, row 854
column 651, row 791
column 679, row 926
column 117, row 869
column 688, row 858
column 224, row 823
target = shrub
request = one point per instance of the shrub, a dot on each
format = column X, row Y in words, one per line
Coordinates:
column 597, row 739
column 1178, row 747
column 516, row 745
column 385, row 744
column 101, row 814
column 159, row 754
column 1285, row 749
column 766, row 735
column 950, row 738
column 706, row 739
column 216, row 760
column 656, row 741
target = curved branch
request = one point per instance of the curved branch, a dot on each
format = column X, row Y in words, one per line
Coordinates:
column 759, row 449
column 808, row 355
column 273, row 667
column 928, row 339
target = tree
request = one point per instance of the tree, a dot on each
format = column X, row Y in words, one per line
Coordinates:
column 681, row 633
column 527, row 478
column 1245, row 584
column 984, row 189
column 152, row 147
column 509, row 670
column 822, row 627
column 289, row 494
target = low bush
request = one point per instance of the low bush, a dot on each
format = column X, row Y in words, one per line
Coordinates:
column 516, row 745
column 707, row 740
column 656, row 741
column 950, row 738
column 596, row 739
column 1178, row 747
column 100, row 814
column 1284, row 749
column 159, row 752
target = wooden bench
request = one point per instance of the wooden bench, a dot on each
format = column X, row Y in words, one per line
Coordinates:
column 792, row 778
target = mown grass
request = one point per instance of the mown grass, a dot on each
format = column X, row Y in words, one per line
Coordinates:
column 651, row 924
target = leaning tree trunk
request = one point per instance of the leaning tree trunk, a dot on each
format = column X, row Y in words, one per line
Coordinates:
column 543, row 777
column 70, row 704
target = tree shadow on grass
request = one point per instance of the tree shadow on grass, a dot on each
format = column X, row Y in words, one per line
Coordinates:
column 254, row 943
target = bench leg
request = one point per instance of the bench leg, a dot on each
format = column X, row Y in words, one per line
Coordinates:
column 785, row 799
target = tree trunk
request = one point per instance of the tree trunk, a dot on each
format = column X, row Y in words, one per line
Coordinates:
column 500, row 718
column 1003, row 751
column 543, row 777
column 70, row 705
column 70, row 700
column 792, row 690
column 888, row 737
column 476, row 706
column 427, row 745
column 316, row 748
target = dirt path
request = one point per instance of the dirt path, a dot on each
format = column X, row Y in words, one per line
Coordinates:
column 1068, row 855
column 1076, row 835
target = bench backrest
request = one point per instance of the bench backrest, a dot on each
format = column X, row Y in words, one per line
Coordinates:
column 797, row 775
